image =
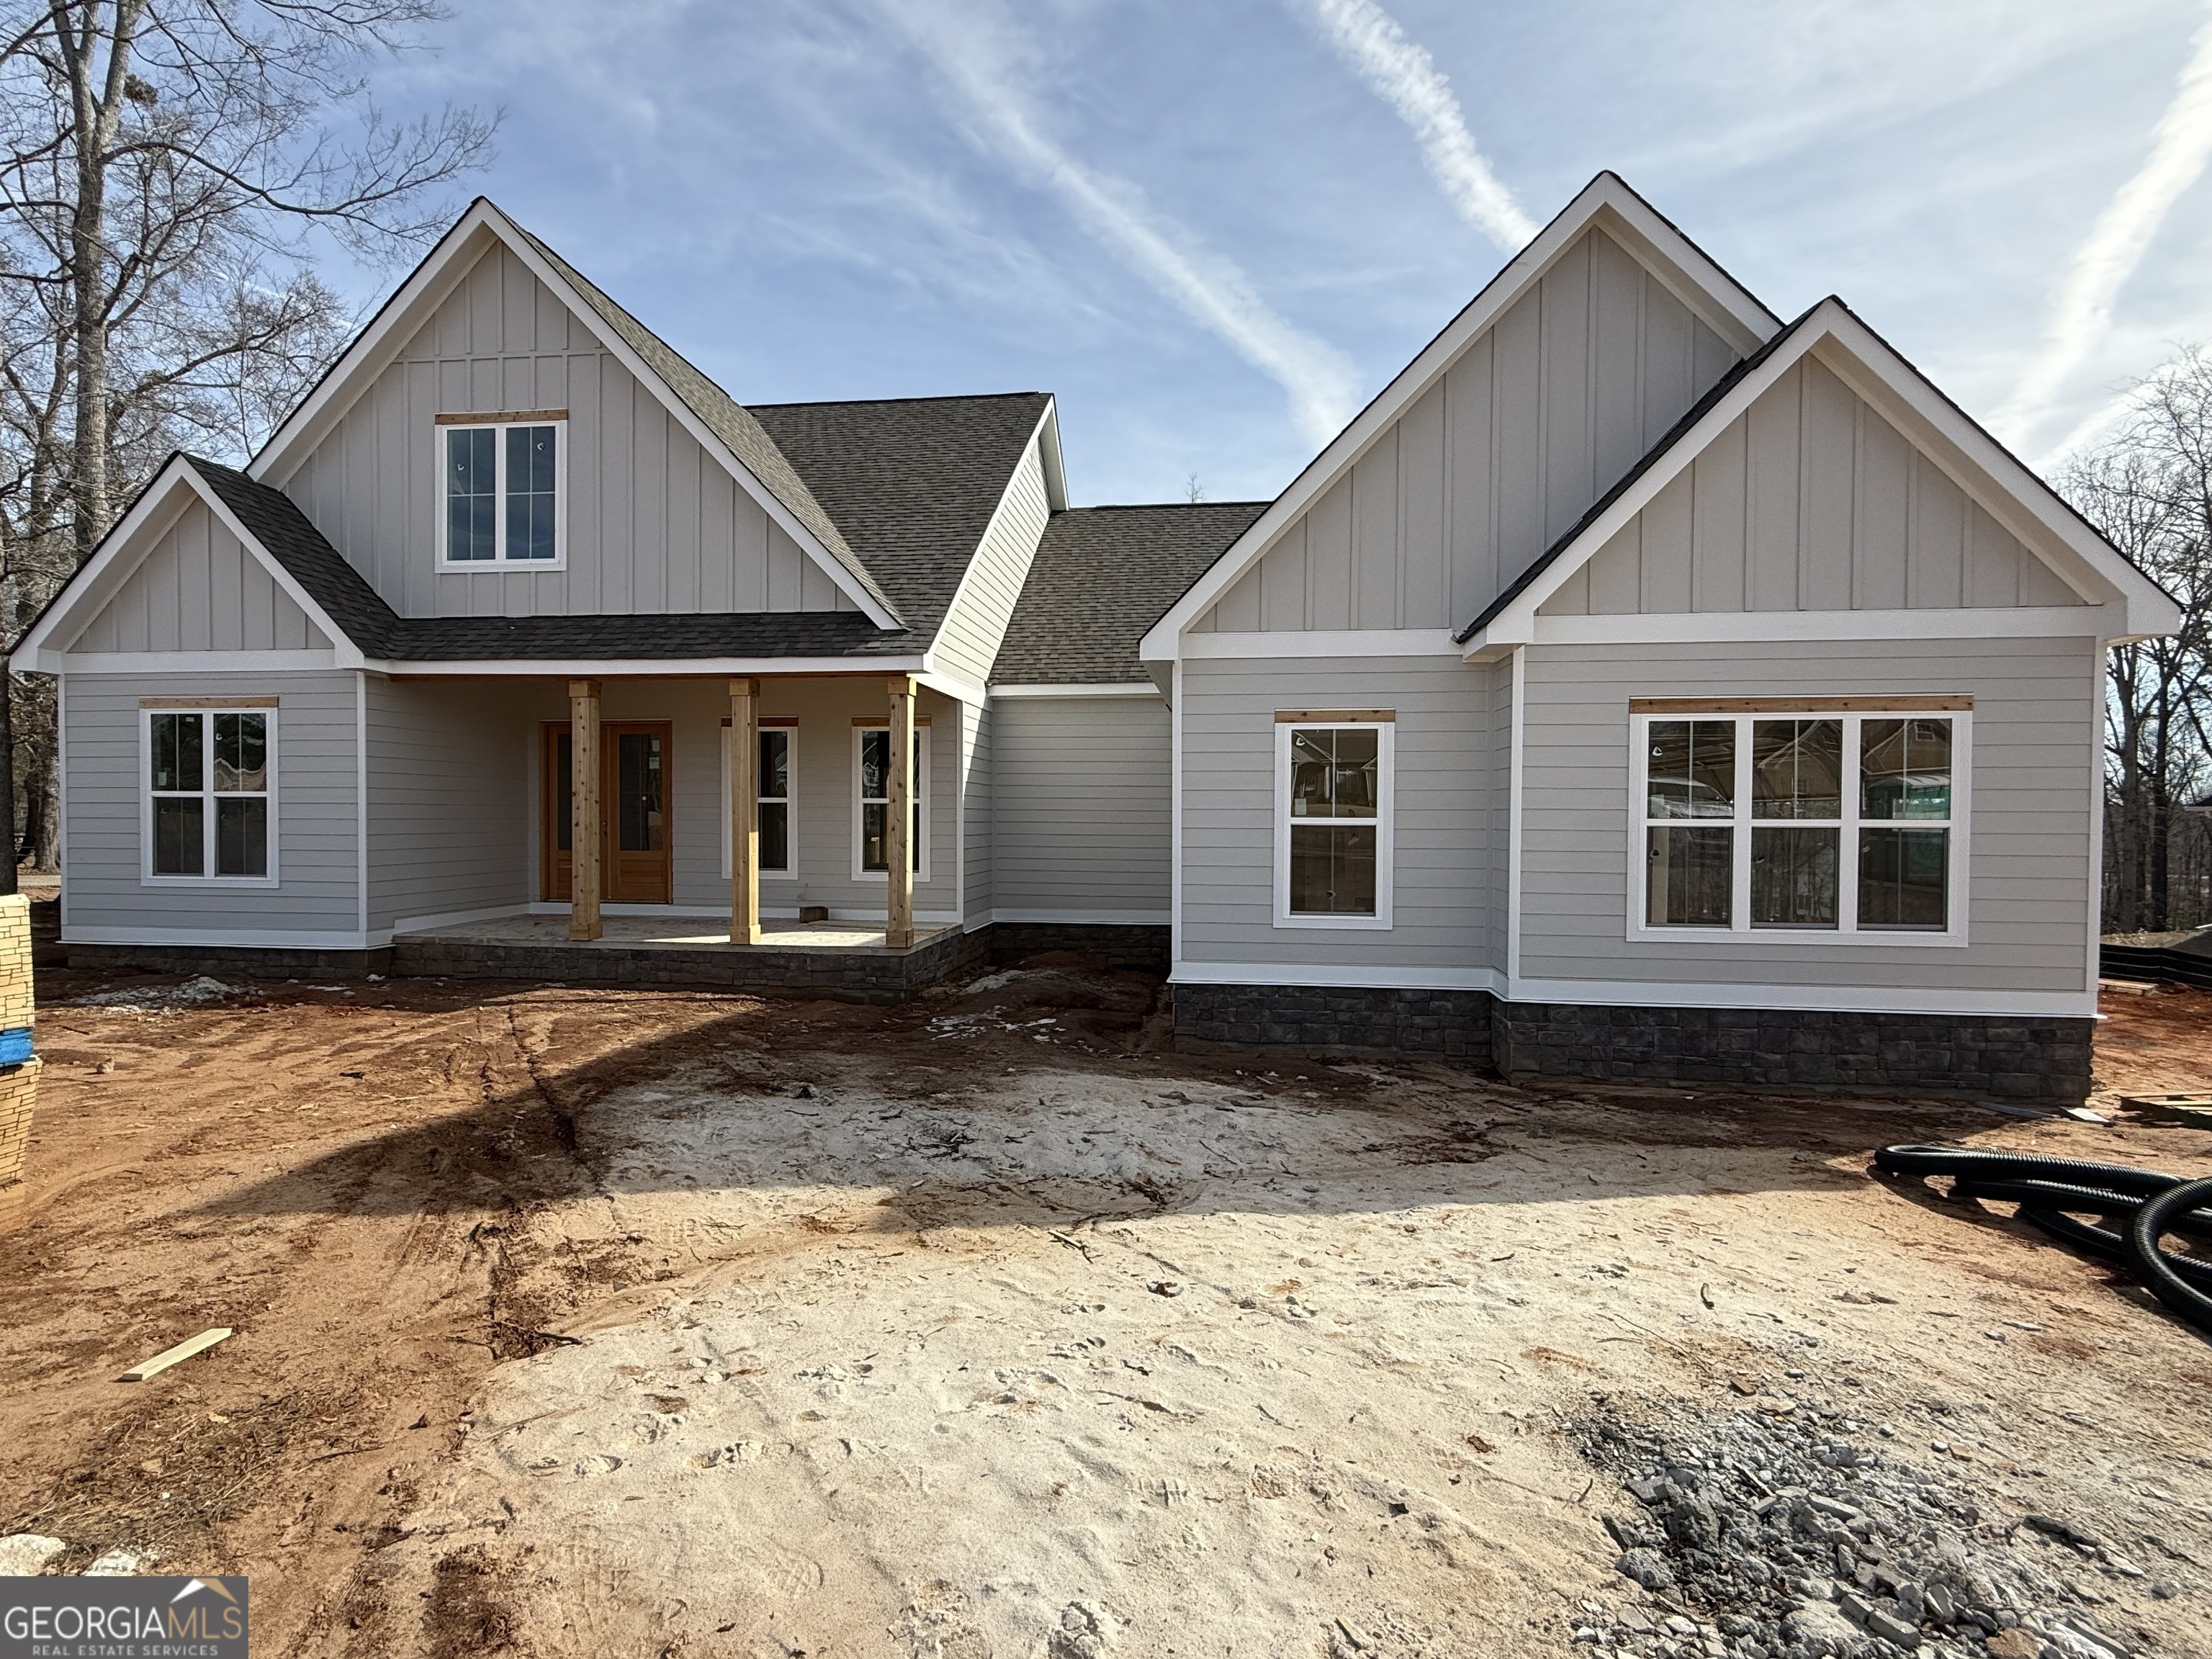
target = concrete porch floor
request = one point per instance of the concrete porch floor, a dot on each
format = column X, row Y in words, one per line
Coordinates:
column 677, row 934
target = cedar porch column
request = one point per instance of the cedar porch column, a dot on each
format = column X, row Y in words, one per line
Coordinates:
column 745, row 814
column 584, row 830
column 898, row 815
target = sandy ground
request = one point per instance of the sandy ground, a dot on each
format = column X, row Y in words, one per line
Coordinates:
column 572, row 1323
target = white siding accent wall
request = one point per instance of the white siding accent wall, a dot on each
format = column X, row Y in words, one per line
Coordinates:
column 978, row 729
column 199, row 589
column 1811, row 500
column 1444, row 843
column 448, row 829
column 654, row 524
column 1540, row 415
column 317, row 857
column 2031, row 878
column 1082, row 786
column 967, row 642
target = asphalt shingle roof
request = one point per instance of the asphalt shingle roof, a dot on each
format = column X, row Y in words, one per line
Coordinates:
column 1103, row 575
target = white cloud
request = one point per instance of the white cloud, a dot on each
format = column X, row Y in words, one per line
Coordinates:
column 2082, row 313
column 975, row 55
column 1405, row 76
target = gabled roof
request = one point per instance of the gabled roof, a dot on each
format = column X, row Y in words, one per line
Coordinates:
column 1102, row 576
column 1686, row 272
column 716, row 421
column 1990, row 475
column 913, row 482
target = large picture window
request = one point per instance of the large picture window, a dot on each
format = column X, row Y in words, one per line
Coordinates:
column 501, row 495
column 1818, row 823
column 776, row 802
column 209, row 794
column 872, row 773
column 1333, row 807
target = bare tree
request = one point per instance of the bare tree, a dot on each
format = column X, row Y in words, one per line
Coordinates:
column 164, row 166
column 2148, row 488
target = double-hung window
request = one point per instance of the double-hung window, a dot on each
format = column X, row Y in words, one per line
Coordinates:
column 500, row 501
column 775, row 797
column 1333, row 804
column 871, row 774
column 210, row 794
column 1834, row 817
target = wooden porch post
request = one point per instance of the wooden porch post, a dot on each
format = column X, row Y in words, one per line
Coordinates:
column 584, row 831
column 898, row 816
column 744, row 813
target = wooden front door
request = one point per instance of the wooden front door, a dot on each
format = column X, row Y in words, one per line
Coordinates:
column 634, row 866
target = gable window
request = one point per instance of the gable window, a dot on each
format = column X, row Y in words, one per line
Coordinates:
column 775, row 799
column 501, row 500
column 871, row 771
column 1332, row 810
column 1806, row 823
column 209, row 794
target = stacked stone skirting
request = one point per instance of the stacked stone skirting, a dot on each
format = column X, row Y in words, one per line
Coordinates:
column 1785, row 1049
column 1140, row 947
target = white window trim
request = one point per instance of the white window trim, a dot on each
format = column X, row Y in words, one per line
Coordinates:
column 146, row 877
column 1847, row 931
column 921, row 797
column 791, row 800
column 1385, row 838
column 447, row 565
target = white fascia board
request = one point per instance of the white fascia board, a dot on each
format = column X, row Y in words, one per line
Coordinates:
column 431, row 282
column 1710, row 292
column 648, row 668
column 1323, row 642
column 1115, row 688
column 1732, row 626
column 932, row 678
column 191, row 662
column 1055, row 464
column 124, row 548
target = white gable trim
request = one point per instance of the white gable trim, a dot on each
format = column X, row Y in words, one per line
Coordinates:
column 45, row 649
column 431, row 283
column 1714, row 296
column 1988, row 474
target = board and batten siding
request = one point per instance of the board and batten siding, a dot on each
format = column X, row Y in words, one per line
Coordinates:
column 1083, row 789
column 1444, row 849
column 450, row 823
column 199, row 589
column 1539, row 416
column 2036, row 702
column 105, row 896
column 968, row 642
column 1811, row 500
column 653, row 523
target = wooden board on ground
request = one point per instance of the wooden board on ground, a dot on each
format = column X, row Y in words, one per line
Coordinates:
column 2192, row 1111
column 168, row 1357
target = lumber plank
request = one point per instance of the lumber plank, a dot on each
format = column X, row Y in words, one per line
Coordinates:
column 168, row 1357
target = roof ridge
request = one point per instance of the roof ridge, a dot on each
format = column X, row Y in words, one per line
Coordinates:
column 1154, row 506
column 924, row 397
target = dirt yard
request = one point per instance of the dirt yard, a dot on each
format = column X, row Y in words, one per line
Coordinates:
column 572, row 1323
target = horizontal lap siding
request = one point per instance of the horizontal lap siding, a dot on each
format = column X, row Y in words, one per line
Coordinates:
column 450, row 820
column 2030, row 882
column 1443, row 807
column 1083, row 788
column 317, row 809
column 968, row 643
column 1534, row 420
column 978, row 811
column 654, row 523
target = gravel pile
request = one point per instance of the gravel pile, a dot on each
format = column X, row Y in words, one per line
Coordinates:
column 1776, row 1532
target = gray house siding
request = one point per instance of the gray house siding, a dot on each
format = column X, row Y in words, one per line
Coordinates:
column 318, row 898
column 654, row 524
column 1533, row 421
column 1083, row 787
column 979, row 727
column 1444, row 846
column 1810, row 500
column 2036, row 702
column 968, row 642
column 199, row 589
column 449, row 819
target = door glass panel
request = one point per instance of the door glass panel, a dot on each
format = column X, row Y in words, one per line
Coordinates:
column 564, row 791
column 641, row 824
column 1691, row 770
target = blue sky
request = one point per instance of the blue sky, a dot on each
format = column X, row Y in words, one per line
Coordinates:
column 1214, row 227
